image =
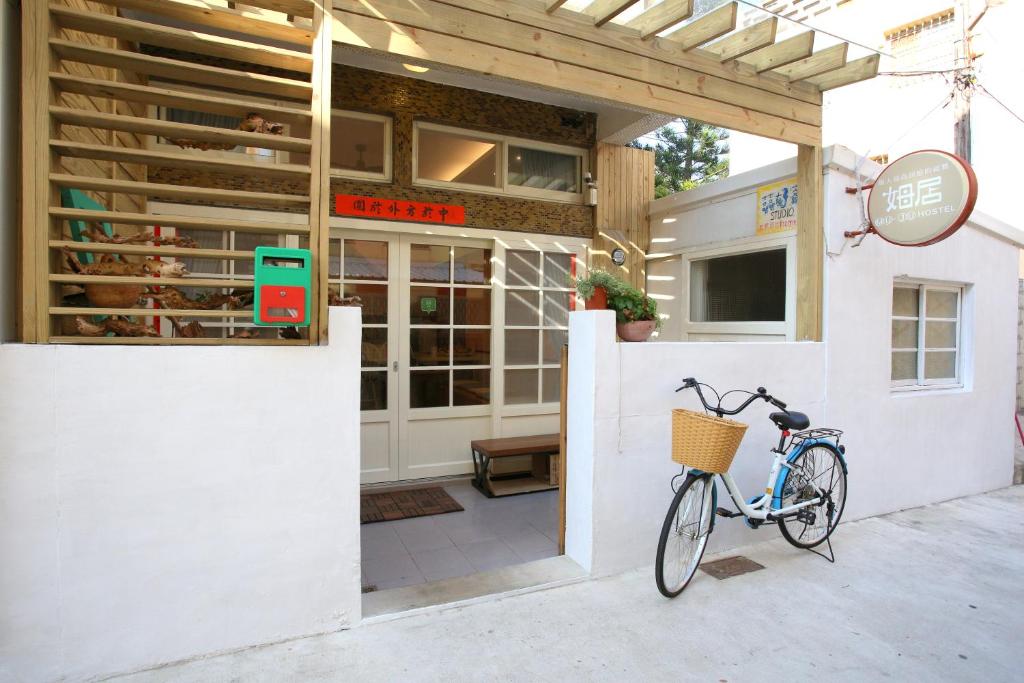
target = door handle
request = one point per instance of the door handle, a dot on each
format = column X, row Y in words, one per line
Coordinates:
column 394, row 365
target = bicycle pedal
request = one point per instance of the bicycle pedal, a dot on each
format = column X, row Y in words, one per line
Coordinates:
column 722, row 512
column 806, row 516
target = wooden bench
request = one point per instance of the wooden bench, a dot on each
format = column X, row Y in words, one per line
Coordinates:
column 544, row 474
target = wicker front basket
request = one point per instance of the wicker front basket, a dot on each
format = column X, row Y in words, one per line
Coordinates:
column 705, row 442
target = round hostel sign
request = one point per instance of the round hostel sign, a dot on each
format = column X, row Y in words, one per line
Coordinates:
column 922, row 198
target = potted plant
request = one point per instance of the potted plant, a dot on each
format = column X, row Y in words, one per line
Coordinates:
column 596, row 288
column 636, row 314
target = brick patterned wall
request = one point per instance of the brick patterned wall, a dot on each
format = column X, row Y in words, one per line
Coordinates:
column 408, row 99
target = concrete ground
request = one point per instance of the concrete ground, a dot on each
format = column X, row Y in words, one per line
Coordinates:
column 933, row 593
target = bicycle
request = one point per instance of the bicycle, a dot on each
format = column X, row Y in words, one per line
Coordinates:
column 805, row 493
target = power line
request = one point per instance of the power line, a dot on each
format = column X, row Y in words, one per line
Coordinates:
column 1000, row 103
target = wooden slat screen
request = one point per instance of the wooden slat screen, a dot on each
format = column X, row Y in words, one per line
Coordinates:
column 95, row 73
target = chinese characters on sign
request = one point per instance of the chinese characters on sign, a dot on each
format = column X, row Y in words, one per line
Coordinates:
column 398, row 210
column 922, row 198
column 776, row 207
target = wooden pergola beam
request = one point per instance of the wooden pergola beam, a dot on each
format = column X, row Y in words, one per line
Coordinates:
column 604, row 11
column 782, row 53
column 552, row 5
column 660, row 17
column 705, row 28
column 755, row 37
column 823, row 61
column 858, row 70
column 611, row 36
column 494, row 46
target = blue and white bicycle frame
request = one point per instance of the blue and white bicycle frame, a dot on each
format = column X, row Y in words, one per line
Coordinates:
column 768, row 506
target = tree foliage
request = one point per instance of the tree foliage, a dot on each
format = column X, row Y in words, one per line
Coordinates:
column 687, row 155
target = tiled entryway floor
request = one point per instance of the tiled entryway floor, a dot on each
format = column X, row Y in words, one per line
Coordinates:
column 489, row 534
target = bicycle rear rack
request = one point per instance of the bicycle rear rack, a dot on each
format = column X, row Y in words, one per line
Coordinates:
column 817, row 433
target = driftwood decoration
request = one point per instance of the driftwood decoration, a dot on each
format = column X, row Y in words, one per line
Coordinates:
column 119, row 296
column 337, row 300
column 121, row 327
column 190, row 330
column 108, row 266
column 95, row 235
column 252, row 123
column 174, row 298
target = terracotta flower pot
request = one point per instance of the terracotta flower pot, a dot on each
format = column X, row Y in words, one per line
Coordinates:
column 599, row 301
column 636, row 331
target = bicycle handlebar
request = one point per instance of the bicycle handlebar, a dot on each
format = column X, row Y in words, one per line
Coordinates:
column 762, row 393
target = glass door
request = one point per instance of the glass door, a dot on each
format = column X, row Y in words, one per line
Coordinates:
column 367, row 267
column 445, row 354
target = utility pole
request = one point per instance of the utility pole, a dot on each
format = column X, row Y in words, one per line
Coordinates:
column 964, row 79
column 963, row 84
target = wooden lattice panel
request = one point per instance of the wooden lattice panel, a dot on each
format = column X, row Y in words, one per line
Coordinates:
column 104, row 104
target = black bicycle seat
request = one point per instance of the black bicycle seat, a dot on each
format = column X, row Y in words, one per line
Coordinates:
column 790, row 419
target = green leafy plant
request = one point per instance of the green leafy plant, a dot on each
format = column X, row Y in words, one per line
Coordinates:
column 631, row 305
column 586, row 285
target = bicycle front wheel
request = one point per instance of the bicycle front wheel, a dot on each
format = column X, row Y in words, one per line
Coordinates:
column 817, row 472
column 684, row 535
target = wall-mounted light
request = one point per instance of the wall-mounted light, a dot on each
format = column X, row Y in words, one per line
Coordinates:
column 591, row 194
column 415, row 68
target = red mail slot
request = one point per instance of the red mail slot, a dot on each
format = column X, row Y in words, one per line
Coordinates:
column 282, row 304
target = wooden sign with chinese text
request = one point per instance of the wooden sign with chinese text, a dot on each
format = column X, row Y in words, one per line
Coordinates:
column 398, row 210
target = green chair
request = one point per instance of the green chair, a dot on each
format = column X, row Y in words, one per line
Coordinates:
column 71, row 198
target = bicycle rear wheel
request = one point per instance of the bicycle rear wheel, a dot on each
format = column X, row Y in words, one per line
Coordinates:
column 818, row 468
column 684, row 535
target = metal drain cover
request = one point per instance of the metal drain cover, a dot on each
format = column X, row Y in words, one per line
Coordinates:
column 731, row 566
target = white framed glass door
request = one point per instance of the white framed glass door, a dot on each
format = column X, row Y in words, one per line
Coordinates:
column 445, row 348
column 426, row 371
column 366, row 265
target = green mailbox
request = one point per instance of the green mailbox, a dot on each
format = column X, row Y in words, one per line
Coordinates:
column 283, row 287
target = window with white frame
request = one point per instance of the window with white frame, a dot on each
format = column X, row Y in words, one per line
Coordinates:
column 483, row 162
column 926, row 335
column 360, row 145
column 538, row 299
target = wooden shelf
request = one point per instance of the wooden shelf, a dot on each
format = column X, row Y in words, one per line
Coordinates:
column 180, row 39
column 150, row 250
column 149, row 312
column 210, row 194
column 171, row 129
column 190, row 222
column 177, row 70
column 201, row 12
column 169, row 97
column 196, row 162
column 177, row 341
column 75, row 278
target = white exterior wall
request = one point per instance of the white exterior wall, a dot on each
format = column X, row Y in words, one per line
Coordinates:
column 904, row 448
column 161, row 503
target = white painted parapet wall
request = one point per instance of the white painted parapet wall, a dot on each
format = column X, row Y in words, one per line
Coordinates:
column 619, row 465
column 904, row 450
column 159, row 503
